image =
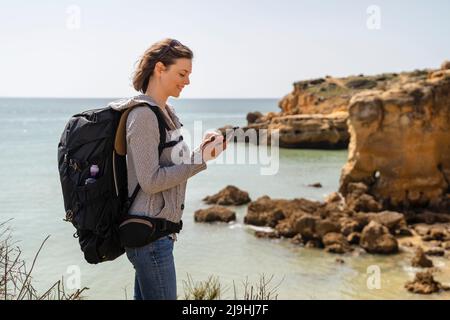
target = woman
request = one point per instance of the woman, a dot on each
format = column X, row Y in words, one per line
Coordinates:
column 163, row 71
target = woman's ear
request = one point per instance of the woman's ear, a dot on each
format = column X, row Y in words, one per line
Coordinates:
column 159, row 68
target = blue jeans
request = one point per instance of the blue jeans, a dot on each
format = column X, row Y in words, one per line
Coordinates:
column 155, row 277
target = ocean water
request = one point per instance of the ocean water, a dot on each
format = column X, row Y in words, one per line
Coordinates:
column 31, row 196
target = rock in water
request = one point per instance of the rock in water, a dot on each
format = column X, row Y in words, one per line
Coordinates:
column 265, row 211
column 315, row 185
column 325, row 226
column 267, row 235
column 435, row 251
column 306, row 226
column 215, row 213
column 424, row 283
column 375, row 238
column 252, row 117
column 420, row 260
column 392, row 220
column 335, row 243
column 230, row 195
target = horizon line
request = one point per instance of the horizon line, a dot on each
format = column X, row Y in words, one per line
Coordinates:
column 190, row 98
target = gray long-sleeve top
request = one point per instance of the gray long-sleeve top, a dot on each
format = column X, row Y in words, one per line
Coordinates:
column 162, row 179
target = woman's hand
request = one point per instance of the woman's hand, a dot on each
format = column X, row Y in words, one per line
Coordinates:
column 208, row 136
column 212, row 145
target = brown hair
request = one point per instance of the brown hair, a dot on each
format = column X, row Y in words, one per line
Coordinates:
column 166, row 51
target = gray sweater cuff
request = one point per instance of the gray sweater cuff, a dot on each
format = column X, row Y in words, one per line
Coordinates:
column 198, row 164
column 196, row 168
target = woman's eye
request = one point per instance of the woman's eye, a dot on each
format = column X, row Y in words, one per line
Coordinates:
column 182, row 75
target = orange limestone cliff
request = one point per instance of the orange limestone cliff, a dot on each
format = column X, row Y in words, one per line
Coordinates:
column 314, row 114
column 400, row 144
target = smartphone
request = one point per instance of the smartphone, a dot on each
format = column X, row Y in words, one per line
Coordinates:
column 230, row 135
column 227, row 137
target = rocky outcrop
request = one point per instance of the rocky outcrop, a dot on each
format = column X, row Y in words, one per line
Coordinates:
column 306, row 226
column 424, row 283
column 314, row 114
column 428, row 217
column 420, row 260
column 400, row 144
column 435, row 251
column 328, row 95
column 328, row 225
column 253, row 117
column 267, row 235
column 315, row 185
column 230, row 195
column 435, row 232
column 375, row 238
column 213, row 214
column 312, row 131
column 434, row 237
column 335, row 243
column 394, row 221
column 267, row 212
column 358, row 199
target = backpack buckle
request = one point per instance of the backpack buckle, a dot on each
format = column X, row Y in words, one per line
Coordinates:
column 74, row 164
column 69, row 216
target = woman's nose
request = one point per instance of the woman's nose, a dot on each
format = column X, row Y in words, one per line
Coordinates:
column 187, row 81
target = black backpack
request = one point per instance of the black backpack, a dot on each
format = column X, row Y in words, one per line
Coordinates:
column 97, row 209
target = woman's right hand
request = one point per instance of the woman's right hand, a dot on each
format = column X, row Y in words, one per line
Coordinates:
column 212, row 145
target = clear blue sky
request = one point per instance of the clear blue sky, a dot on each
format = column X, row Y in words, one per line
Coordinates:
column 245, row 48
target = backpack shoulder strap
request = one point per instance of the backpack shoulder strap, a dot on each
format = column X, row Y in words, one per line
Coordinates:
column 120, row 141
column 162, row 125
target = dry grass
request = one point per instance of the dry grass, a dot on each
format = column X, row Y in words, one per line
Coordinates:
column 211, row 289
column 203, row 290
column 15, row 279
column 260, row 291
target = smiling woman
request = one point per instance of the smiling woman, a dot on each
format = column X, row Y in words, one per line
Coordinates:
column 171, row 60
column 159, row 183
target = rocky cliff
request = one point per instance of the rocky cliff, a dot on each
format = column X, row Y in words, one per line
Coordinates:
column 314, row 114
column 400, row 143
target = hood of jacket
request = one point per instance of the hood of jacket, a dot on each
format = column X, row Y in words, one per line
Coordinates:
column 124, row 104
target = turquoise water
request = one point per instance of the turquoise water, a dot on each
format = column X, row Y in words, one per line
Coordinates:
column 31, row 195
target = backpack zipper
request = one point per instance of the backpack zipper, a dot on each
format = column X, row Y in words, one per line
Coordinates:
column 114, row 172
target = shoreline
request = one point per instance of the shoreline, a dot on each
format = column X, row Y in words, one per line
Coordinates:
column 331, row 227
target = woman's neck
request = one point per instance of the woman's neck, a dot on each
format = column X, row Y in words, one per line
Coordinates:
column 154, row 91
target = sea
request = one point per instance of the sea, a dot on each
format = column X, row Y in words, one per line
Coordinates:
column 32, row 207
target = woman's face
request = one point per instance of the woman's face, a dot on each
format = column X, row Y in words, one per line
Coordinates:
column 176, row 76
